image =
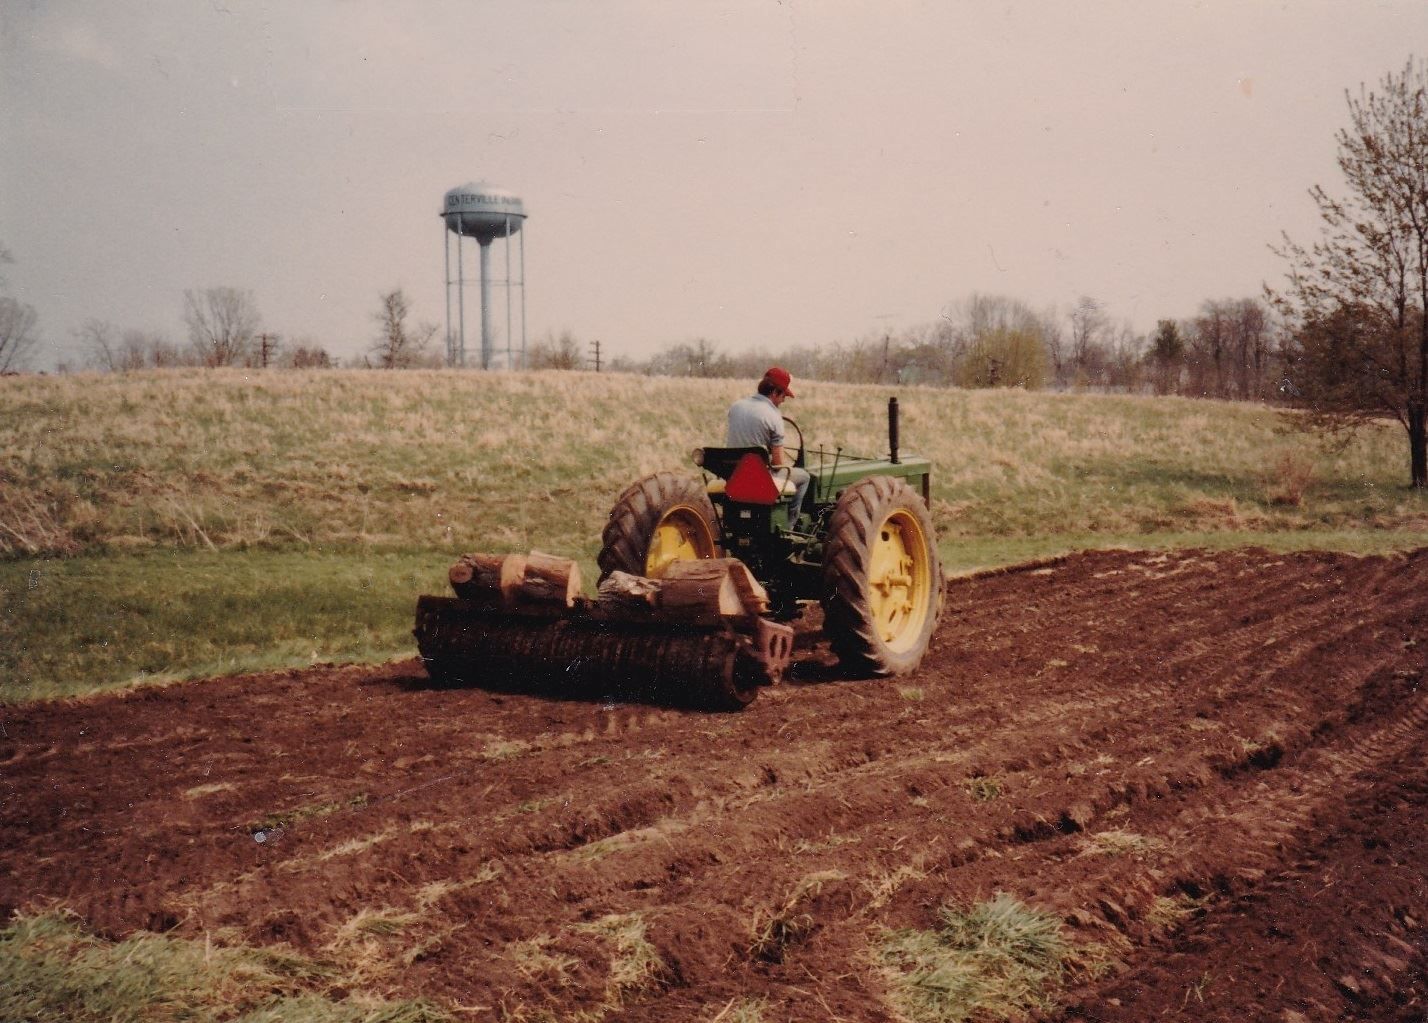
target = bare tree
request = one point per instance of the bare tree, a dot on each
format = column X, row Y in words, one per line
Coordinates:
column 104, row 347
column 1356, row 303
column 221, row 324
column 112, row 350
column 556, row 352
column 1167, row 357
column 18, row 334
column 1089, row 354
column 1210, row 346
column 698, row 358
column 306, row 353
column 1250, row 331
column 1125, row 361
column 398, row 346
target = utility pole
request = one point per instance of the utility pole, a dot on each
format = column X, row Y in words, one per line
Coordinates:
column 267, row 345
column 595, row 347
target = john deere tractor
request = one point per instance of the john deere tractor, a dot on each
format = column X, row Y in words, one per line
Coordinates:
column 863, row 544
column 696, row 573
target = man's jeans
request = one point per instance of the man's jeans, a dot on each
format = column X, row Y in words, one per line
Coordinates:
column 800, row 479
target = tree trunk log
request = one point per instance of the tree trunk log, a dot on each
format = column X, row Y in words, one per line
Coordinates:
column 751, row 592
column 622, row 594
column 699, row 592
column 546, row 580
column 486, row 578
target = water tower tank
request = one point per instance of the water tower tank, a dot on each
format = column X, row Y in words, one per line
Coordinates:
column 481, row 210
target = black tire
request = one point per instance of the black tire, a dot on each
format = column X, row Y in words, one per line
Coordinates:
column 666, row 499
column 882, row 579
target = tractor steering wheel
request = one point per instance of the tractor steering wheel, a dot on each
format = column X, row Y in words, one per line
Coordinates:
column 791, row 434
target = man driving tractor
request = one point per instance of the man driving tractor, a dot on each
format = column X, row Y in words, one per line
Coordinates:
column 755, row 421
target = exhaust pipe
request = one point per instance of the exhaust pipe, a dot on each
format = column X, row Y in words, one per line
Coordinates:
column 892, row 431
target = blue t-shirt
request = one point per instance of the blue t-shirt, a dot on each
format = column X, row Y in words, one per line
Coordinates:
column 754, row 421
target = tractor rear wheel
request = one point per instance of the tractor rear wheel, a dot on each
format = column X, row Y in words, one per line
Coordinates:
column 661, row 518
column 882, row 580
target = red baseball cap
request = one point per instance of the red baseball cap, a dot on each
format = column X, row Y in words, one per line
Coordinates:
column 778, row 376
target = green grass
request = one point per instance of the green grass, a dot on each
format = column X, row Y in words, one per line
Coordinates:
column 996, row 960
column 54, row 971
column 164, row 525
column 69, row 625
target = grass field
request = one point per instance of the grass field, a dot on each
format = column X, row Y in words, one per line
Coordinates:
column 169, row 524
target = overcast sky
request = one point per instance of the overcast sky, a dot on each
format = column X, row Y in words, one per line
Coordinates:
column 758, row 173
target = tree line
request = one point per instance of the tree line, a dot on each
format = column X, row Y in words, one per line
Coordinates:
column 224, row 328
column 1230, row 349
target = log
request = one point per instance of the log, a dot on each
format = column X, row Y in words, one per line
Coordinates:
column 486, row 578
column 751, row 592
column 699, row 592
column 753, row 598
column 546, row 580
column 625, row 595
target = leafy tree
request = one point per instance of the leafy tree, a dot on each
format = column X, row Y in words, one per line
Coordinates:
column 1356, row 303
column 996, row 341
column 1004, row 357
column 221, row 324
column 399, row 346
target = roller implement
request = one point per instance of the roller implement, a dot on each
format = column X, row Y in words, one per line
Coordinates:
column 699, row 576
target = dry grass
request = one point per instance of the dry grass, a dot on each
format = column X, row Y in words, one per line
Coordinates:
column 995, row 960
column 456, row 461
column 789, row 923
column 54, row 971
column 1119, row 842
column 635, row 964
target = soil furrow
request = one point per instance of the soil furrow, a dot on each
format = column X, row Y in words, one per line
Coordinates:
column 1171, row 752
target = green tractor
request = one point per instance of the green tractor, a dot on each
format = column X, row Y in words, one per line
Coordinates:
column 863, row 544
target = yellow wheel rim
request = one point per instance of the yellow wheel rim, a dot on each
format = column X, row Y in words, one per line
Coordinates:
column 900, row 581
column 682, row 534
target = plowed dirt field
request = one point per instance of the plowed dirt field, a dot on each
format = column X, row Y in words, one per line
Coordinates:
column 1212, row 768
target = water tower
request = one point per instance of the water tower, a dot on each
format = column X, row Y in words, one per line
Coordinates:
column 486, row 213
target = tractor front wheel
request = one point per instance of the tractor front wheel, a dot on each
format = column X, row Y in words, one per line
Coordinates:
column 882, row 580
column 662, row 518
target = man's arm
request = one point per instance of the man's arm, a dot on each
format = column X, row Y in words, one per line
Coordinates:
column 776, row 455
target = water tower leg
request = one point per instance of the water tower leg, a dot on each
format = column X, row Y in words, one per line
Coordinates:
column 461, row 302
column 446, row 254
column 485, row 305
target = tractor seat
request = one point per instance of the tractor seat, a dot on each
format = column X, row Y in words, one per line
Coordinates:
column 721, row 462
column 716, row 485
